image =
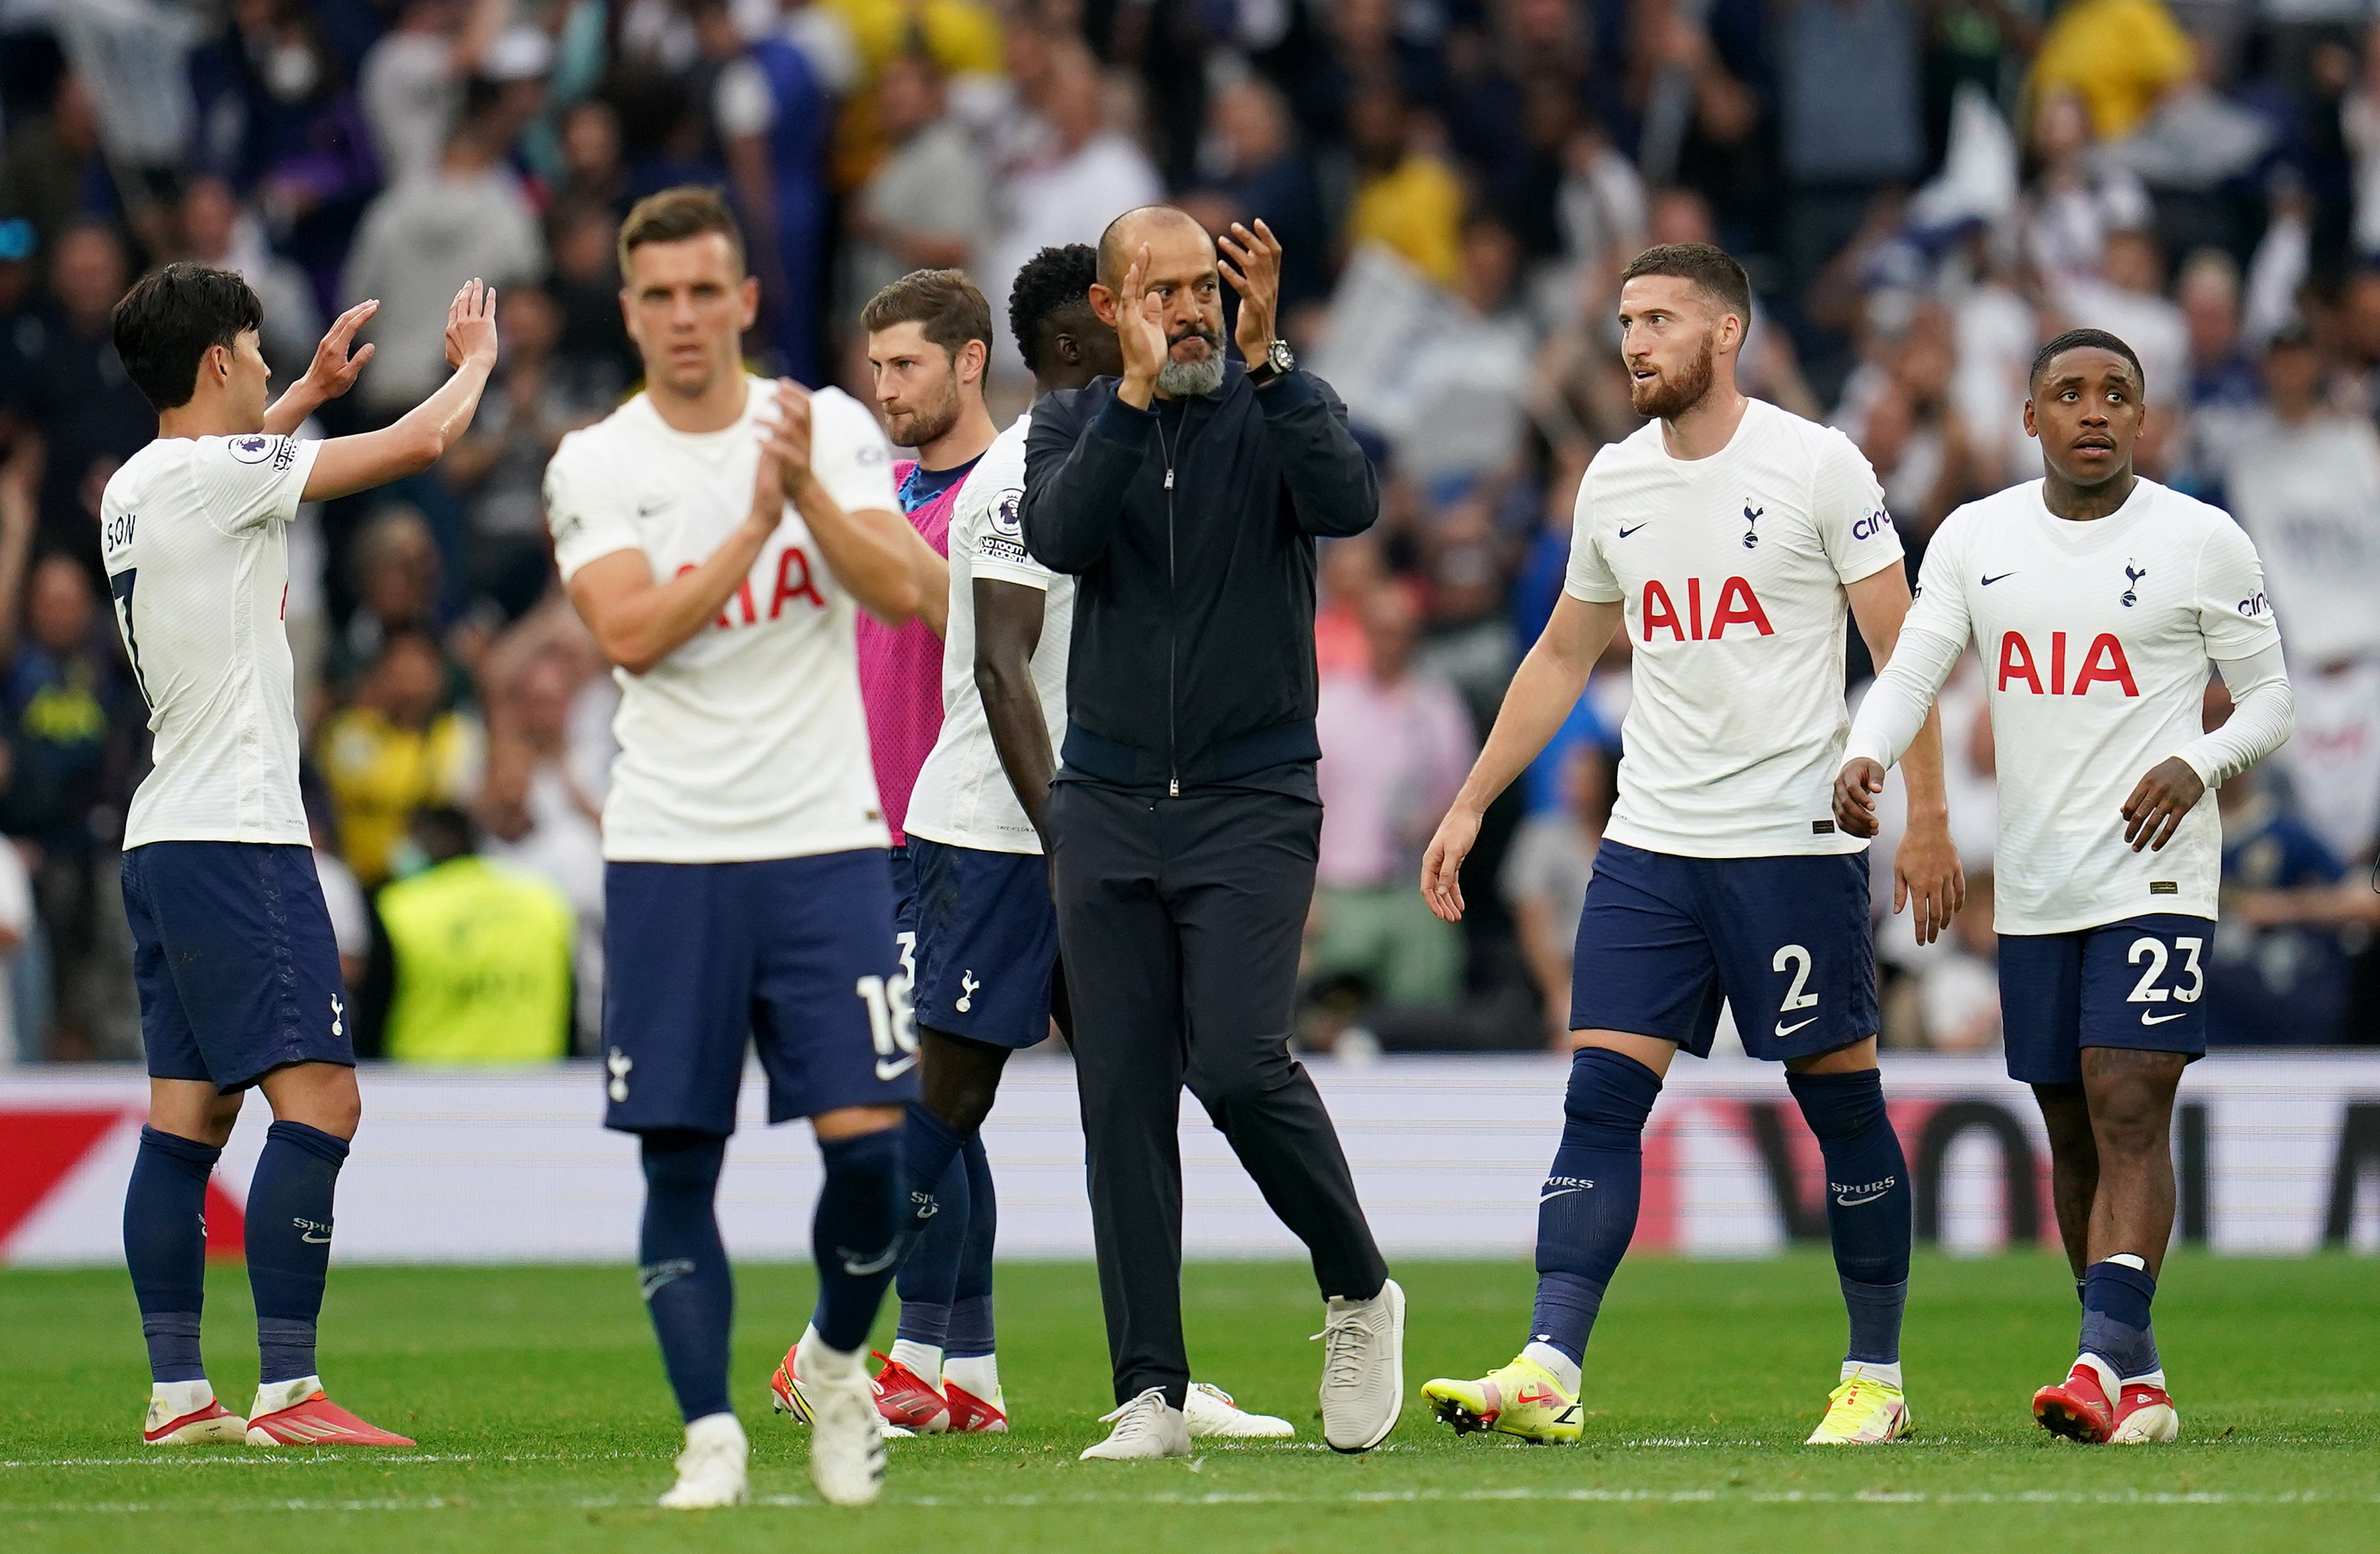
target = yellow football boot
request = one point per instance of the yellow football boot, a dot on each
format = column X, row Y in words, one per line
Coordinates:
column 1523, row 1399
column 1863, row 1411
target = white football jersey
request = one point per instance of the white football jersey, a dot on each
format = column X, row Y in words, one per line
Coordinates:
column 962, row 799
column 2096, row 641
column 195, row 534
column 1732, row 570
column 749, row 741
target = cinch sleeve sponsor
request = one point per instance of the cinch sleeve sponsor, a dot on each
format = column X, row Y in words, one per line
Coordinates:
column 1848, row 506
column 849, row 454
column 252, row 479
column 2233, row 613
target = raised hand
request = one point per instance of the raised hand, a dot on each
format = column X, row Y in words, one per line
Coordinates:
column 333, row 371
column 2159, row 801
column 1251, row 263
column 471, row 325
column 1140, row 330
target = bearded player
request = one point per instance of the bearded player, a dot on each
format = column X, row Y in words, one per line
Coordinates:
column 2100, row 602
column 1732, row 539
column 717, row 533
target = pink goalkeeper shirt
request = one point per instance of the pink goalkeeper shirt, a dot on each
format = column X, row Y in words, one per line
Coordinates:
column 901, row 672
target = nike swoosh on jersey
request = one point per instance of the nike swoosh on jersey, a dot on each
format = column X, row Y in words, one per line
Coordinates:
column 2149, row 1019
column 894, row 1069
column 1989, row 581
column 1784, row 1029
column 1626, row 532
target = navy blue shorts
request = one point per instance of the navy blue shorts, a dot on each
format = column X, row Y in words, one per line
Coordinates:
column 794, row 955
column 233, row 954
column 987, row 943
column 2139, row 983
column 1783, row 941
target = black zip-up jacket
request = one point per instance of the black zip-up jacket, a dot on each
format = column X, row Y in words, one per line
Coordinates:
column 1190, row 528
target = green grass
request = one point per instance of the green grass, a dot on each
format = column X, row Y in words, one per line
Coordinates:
column 544, row 1422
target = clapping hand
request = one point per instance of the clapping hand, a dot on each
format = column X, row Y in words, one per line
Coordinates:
column 1140, row 330
column 470, row 325
column 785, row 451
column 333, row 372
column 1251, row 263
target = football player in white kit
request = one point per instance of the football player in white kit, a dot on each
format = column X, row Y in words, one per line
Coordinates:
column 715, row 533
column 1731, row 538
column 2100, row 602
column 236, row 967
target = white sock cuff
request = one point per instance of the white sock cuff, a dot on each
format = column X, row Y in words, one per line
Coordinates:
column 2129, row 1259
column 1561, row 1365
column 1887, row 1373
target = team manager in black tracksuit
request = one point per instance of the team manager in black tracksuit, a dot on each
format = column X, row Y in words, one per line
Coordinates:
column 1183, row 819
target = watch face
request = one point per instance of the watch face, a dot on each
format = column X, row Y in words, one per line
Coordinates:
column 1277, row 358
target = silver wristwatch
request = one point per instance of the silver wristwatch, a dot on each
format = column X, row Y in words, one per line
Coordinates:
column 1278, row 363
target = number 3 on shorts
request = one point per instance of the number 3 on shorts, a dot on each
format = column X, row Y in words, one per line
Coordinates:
column 2153, row 951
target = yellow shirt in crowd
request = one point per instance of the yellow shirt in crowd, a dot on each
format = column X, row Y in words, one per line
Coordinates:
column 962, row 36
column 1417, row 210
column 380, row 774
column 2119, row 55
column 482, row 958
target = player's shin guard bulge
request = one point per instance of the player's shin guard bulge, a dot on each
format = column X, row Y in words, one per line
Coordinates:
column 856, row 1235
column 1868, row 1204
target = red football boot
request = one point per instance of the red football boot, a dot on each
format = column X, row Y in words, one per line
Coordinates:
column 905, row 1399
column 2077, row 1407
column 970, row 1415
column 315, row 1420
column 2144, row 1413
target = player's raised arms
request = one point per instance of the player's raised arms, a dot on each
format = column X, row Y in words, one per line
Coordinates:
column 420, row 437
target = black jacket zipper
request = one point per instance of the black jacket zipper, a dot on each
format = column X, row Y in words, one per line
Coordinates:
column 1172, row 611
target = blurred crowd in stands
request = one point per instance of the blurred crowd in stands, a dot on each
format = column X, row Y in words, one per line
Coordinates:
column 1922, row 190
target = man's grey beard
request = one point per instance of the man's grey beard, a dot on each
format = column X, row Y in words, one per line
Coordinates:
column 1188, row 379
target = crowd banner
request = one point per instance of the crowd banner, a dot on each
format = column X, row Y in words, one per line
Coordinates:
column 2275, row 1155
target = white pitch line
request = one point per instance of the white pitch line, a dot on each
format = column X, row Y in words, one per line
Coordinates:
column 1371, row 1497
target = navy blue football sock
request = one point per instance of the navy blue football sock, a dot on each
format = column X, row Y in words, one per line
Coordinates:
column 1867, row 1204
column 289, row 1218
column 1587, row 1210
column 929, row 1272
column 2115, row 1318
column 165, row 1247
column 856, row 1235
column 682, row 1267
column 929, row 1150
column 971, row 1334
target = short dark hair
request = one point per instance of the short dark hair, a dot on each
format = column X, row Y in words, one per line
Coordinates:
column 444, row 831
column 1706, row 264
column 1051, row 282
column 2079, row 339
column 944, row 301
column 675, row 214
column 169, row 320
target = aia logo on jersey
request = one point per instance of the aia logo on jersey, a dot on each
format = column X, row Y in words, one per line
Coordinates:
column 2102, row 664
column 1736, row 605
column 792, row 582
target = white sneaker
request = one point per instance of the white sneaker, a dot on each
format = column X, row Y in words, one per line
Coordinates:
column 1146, row 1426
column 1212, row 1415
column 846, row 1433
column 1363, row 1370
column 712, row 1470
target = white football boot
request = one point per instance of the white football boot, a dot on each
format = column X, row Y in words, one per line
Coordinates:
column 185, row 1413
column 846, row 1433
column 713, row 1469
column 1363, row 1370
column 1148, row 1426
column 1212, row 1415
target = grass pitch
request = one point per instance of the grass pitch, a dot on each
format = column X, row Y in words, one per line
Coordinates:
column 545, row 1423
